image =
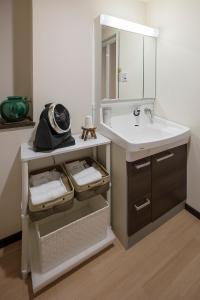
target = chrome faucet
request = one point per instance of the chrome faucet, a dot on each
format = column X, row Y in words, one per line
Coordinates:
column 150, row 113
column 136, row 112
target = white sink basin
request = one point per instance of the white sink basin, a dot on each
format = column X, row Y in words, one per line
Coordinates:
column 147, row 135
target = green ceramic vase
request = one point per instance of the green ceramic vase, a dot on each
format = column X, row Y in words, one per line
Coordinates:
column 14, row 109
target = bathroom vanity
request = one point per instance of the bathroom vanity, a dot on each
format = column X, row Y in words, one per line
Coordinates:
column 146, row 192
column 149, row 153
column 149, row 169
column 155, row 185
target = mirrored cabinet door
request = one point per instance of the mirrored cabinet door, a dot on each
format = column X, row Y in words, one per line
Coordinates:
column 110, row 68
column 149, row 67
column 130, row 65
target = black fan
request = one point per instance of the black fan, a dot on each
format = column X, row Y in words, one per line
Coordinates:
column 54, row 129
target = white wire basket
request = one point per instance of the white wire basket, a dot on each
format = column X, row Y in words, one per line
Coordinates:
column 65, row 235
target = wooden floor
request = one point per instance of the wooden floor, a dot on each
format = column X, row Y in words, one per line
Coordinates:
column 164, row 265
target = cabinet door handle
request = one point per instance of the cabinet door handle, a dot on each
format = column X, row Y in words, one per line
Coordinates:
column 165, row 157
column 148, row 202
column 142, row 165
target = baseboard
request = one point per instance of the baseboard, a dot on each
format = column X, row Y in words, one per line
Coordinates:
column 193, row 211
column 10, row 239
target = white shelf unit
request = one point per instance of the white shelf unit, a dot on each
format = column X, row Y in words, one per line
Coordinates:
column 30, row 258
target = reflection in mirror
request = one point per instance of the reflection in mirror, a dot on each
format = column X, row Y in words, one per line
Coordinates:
column 109, row 63
column 149, row 67
column 128, row 64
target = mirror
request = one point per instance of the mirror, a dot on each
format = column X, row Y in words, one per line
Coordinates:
column 128, row 65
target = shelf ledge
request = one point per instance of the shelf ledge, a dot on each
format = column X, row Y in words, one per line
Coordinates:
column 14, row 125
column 28, row 154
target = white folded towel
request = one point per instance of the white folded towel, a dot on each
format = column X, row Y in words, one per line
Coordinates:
column 87, row 176
column 44, row 177
column 76, row 166
column 47, row 192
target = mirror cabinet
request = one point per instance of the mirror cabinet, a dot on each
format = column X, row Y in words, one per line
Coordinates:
column 128, row 64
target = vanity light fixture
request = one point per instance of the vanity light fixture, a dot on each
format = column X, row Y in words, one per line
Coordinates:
column 128, row 26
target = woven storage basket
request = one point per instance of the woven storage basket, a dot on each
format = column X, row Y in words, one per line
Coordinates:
column 90, row 190
column 43, row 210
column 67, row 234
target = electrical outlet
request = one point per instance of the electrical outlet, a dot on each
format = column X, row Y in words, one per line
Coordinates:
column 124, row 77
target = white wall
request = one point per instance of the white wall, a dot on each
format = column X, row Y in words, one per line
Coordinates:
column 15, row 79
column 62, row 57
column 62, row 43
column 15, row 48
column 178, row 78
column 6, row 57
column 10, row 180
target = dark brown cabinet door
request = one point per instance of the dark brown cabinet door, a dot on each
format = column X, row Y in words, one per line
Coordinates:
column 169, row 171
column 139, row 194
column 139, row 179
column 139, row 215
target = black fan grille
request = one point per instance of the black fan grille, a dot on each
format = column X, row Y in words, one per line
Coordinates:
column 62, row 117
